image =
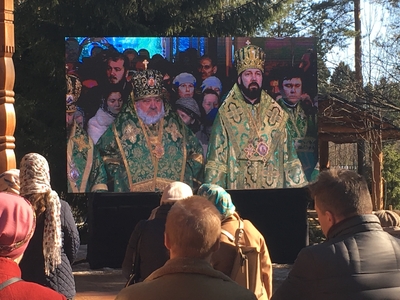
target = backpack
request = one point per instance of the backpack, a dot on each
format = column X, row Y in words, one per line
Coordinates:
column 246, row 270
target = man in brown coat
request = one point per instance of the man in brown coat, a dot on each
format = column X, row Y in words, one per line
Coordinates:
column 192, row 234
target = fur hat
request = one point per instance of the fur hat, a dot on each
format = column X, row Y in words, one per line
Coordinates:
column 189, row 106
column 184, row 78
column 17, row 225
column 9, row 181
column 147, row 83
column 249, row 57
column 175, row 191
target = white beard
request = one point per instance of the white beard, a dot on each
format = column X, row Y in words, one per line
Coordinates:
column 148, row 120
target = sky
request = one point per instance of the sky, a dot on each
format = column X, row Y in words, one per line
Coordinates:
column 373, row 24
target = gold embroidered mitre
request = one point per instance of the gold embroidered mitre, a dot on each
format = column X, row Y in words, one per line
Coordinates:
column 249, row 57
column 147, row 83
column 74, row 87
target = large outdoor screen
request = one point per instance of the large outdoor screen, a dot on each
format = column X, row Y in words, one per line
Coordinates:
column 141, row 112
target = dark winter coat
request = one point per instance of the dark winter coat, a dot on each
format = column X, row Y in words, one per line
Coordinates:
column 357, row 261
column 32, row 263
column 152, row 251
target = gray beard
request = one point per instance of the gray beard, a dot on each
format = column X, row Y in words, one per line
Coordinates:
column 148, row 120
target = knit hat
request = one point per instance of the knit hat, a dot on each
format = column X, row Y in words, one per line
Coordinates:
column 175, row 191
column 221, row 199
column 17, row 225
column 184, row 78
column 189, row 106
column 211, row 82
column 388, row 218
column 35, row 178
column 9, row 181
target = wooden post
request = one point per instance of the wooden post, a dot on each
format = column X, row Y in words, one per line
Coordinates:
column 7, row 79
column 377, row 162
column 323, row 154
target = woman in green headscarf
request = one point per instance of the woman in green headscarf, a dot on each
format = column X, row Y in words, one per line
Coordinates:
column 223, row 259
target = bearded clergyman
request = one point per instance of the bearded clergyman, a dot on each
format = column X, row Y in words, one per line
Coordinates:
column 250, row 147
column 148, row 146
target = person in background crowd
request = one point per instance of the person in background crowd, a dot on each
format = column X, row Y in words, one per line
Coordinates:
column 116, row 68
column 17, row 225
column 184, row 85
column 188, row 110
column 210, row 104
column 250, row 147
column 9, row 181
column 358, row 260
column 207, row 67
column 147, row 136
column 302, row 120
column 390, row 221
column 212, row 83
column 192, row 233
column 105, row 115
column 223, row 259
column 55, row 243
column 150, row 233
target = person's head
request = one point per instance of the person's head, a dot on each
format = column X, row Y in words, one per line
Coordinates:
column 339, row 194
column 291, row 85
column 74, row 88
column 17, row 225
column 145, row 53
column 388, row 218
column 219, row 197
column 148, row 95
column 9, row 181
column 34, row 174
column 175, row 191
column 131, row 54
column 185, row 84
column 210, row 100
column 212, row 83
column 193, row 228
column 112, row 102
column 249, row 62
column 188, row 110
column 117, row 66
column 207, row 66
column 79, row 117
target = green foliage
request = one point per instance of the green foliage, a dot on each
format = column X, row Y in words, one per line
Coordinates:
column 391, row 174
column 342, row 82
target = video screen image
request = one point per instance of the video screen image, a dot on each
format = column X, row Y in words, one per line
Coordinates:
column 142, row 112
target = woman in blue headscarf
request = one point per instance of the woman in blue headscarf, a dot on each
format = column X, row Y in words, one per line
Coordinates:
column 224, row 257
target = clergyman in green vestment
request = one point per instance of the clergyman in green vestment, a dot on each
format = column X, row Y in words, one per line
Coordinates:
column 148, row 146
column 80, row 148
column 250, row 147
column 302, row 121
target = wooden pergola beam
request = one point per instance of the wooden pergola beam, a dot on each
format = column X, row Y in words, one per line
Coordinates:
column 7, row 79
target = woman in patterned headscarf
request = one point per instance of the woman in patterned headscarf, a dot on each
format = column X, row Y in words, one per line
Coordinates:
column 223, row 259
column 55, row 243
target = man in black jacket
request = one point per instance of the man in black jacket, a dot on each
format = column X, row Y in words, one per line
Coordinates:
column 358, row 260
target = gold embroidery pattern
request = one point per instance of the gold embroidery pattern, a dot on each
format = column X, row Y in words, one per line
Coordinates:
column 173, row 130
column 234, row 112
column 130, row 133
column 81, row 143
column 274, row 115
